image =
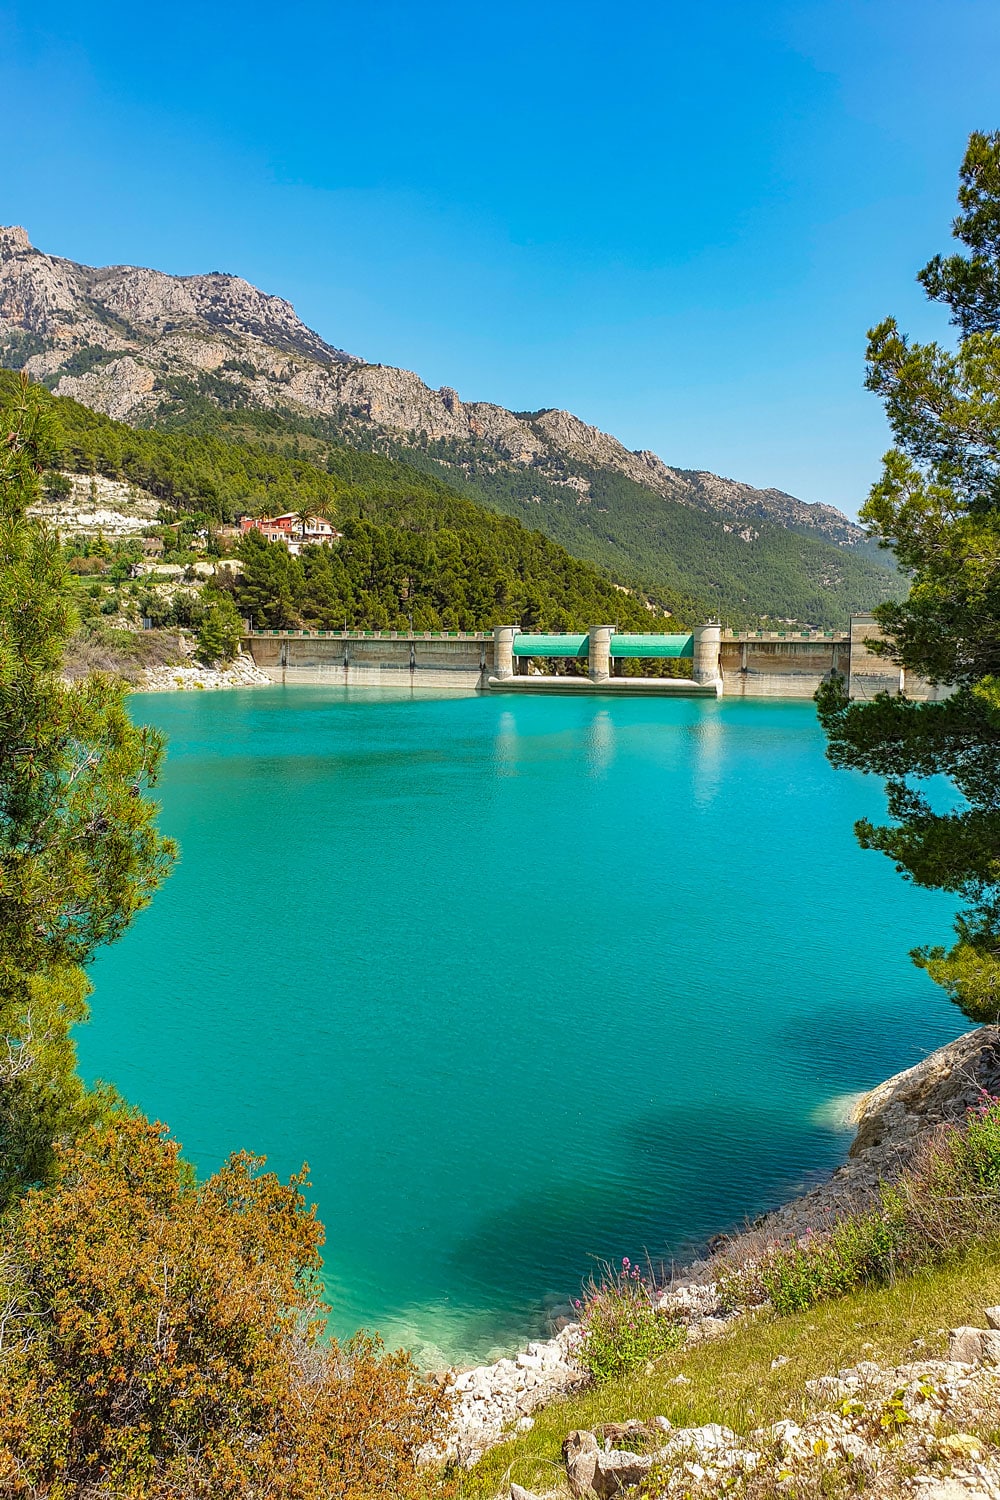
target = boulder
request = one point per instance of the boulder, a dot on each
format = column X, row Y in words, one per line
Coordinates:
column 619, row 1470
column 605, row 1472
column 705, row 1441
column 580, row 1453
column 965, row 1345
column 941, row 1089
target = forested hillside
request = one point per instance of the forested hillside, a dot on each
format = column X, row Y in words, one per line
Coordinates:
column 412, row 548
column 698, row 560
column 744, row 570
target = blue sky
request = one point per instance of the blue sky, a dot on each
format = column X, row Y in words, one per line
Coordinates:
column 675, row 220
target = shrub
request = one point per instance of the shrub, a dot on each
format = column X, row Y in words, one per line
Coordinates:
column 941, row 1206
column 622, row 1328
column 165, row 1338
column 57, row 486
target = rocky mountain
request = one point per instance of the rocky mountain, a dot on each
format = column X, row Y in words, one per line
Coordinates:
column 149, row 349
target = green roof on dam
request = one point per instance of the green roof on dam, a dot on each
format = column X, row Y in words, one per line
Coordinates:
column 550, row 645
column 621, row 645
column 652, row 645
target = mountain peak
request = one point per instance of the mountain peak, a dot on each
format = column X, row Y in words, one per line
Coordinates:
column 13, row 239
column 82, row 314
column 137, row 344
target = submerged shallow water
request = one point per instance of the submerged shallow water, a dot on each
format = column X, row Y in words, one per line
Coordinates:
column 527, row 982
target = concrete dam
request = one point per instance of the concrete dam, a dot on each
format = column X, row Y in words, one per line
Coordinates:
column 710, row 661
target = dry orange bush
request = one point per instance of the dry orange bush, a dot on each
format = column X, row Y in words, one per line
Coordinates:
column 164, row 1338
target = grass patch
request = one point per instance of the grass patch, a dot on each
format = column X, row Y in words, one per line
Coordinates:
column 731, row 1379
column 946, row 1202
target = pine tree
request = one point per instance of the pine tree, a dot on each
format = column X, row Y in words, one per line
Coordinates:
column 79, row 851
column 220, row 630
column 937, row 505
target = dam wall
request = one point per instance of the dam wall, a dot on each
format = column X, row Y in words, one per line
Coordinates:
column 740, row 664
column 373, row 659
column 771, row 665
column 793, row 663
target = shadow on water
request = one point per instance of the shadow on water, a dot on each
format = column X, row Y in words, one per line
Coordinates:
column 826, row 1049
column 685, row 1174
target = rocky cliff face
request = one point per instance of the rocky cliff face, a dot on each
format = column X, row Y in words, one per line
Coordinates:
column 62, row 308
column 120, row 338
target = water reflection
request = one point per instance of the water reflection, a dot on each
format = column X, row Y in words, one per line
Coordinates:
column 600, row 743
column 706, row 761
column 505, row 744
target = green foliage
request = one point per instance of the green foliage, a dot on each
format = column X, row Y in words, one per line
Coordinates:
column 411, row 545
column 57, row 486
column 220, row 457
column 937, row 505
column 79, row 852
column 755, row 1374
column 81, row 362
column 622, row 1329
column 220, row 630
column 462, row 577
column 970, row 285
column 125, row 559
column 17, row 347
column 698, row 561
column 939, row 1209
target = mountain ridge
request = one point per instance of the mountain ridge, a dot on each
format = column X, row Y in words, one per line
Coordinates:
column 146, row 348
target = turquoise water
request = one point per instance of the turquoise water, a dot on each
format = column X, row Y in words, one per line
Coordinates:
column 527, row 982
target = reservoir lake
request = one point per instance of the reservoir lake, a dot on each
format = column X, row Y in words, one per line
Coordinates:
column 529, row 982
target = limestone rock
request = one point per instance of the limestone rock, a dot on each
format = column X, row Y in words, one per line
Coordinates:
column 893, row 1121
column 970, row 1346
column 581, row 1451
column 704, row 1442
column 619, row 1470
column 242, row 672
column 593, row 1471
column 937, row 1091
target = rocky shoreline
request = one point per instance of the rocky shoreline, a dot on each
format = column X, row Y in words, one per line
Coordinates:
column 493, row 1401
column 242, row 672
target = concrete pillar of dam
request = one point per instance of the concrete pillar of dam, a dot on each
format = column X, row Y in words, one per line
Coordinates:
column 707, row 658
column 599, row 652
column 503, row 650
